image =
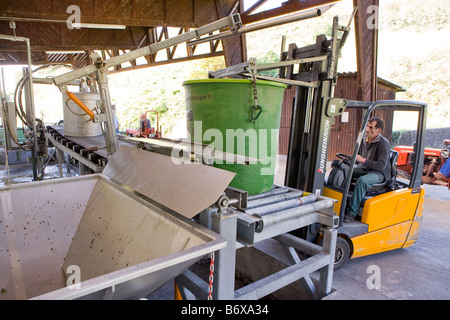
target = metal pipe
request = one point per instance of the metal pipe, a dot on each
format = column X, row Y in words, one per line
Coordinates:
column 232, row 21
column 294, row 212
column 298, row 243
column 308, row 199
column 32, row 19
column 30, row 79
column 273, row 199
column 303, row 15
column 279, row 206
column 33, row 116
column 260, row 211
column 268, row 193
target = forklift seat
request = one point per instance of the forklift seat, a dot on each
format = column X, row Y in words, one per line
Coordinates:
column 389, row 183
column 379, row 188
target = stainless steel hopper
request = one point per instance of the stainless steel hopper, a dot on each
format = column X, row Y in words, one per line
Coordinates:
column 117, row 241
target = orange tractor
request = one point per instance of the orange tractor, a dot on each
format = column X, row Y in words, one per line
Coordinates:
column 148, row 131
column 434, row 159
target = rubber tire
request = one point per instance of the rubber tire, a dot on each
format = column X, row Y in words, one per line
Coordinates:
column 342, row 253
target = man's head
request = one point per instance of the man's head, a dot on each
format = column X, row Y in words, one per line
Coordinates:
column 142, row 116
column 373, row 128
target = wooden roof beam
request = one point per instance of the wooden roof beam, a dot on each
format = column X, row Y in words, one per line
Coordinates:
column 366, row 34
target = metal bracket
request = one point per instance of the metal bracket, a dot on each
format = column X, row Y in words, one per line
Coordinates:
column 98, row 61
column 109, row 292
column 335, row 107
column 100, row 118
column 63, row 88
column 223, row 203
column 240, row 195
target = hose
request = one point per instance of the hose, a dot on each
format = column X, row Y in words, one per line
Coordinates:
column 19, row 92
column 7, row 127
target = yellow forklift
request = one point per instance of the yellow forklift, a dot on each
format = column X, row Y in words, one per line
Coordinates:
column 391, row 212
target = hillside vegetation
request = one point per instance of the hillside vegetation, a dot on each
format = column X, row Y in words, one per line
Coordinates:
column 413, row 48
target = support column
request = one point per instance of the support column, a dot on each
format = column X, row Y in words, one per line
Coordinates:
column 225, row 224
column 235, row 50
column 110, row 134
column 366, row 32
column 60, row 158
column 326, row 273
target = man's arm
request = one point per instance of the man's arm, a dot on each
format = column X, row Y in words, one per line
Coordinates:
column 382, row 158
column 359, row 158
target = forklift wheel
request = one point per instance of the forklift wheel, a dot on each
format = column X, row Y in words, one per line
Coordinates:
column 342, row 253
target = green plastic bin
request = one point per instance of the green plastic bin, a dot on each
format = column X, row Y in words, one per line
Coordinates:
column 221, row 112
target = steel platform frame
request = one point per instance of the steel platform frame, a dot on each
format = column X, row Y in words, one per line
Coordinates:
column 244, row 230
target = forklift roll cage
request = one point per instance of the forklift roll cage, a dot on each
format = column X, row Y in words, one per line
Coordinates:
column 391, row 216
column 391, row 105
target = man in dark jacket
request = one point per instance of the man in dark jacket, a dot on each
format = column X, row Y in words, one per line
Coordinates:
column 374, row 165
column 144, row 124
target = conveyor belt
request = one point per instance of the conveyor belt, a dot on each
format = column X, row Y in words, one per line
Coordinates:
column 87, row 142
column 89, row 151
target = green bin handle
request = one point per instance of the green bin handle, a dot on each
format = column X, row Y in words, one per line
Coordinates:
column 258, row 107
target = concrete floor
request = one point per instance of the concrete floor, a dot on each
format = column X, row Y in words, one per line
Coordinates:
column 421, row 271
column 418, row 272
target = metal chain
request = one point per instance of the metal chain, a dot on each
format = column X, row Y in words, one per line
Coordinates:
column 255, row 98
column 211, row 276
column 255, row 92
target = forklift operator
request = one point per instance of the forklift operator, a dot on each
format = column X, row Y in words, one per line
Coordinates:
column 374, row 165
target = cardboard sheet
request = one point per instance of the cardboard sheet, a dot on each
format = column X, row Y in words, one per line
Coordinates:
column 185, row 188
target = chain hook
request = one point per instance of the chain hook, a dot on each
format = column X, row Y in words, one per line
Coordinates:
column 252, row 69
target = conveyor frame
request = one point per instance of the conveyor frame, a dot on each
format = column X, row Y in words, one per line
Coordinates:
column 241, row 229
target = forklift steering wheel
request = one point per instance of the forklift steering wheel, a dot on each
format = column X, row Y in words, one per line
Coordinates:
column 345, row 156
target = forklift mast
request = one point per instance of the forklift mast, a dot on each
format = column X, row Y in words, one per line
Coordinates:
column 313, row 109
